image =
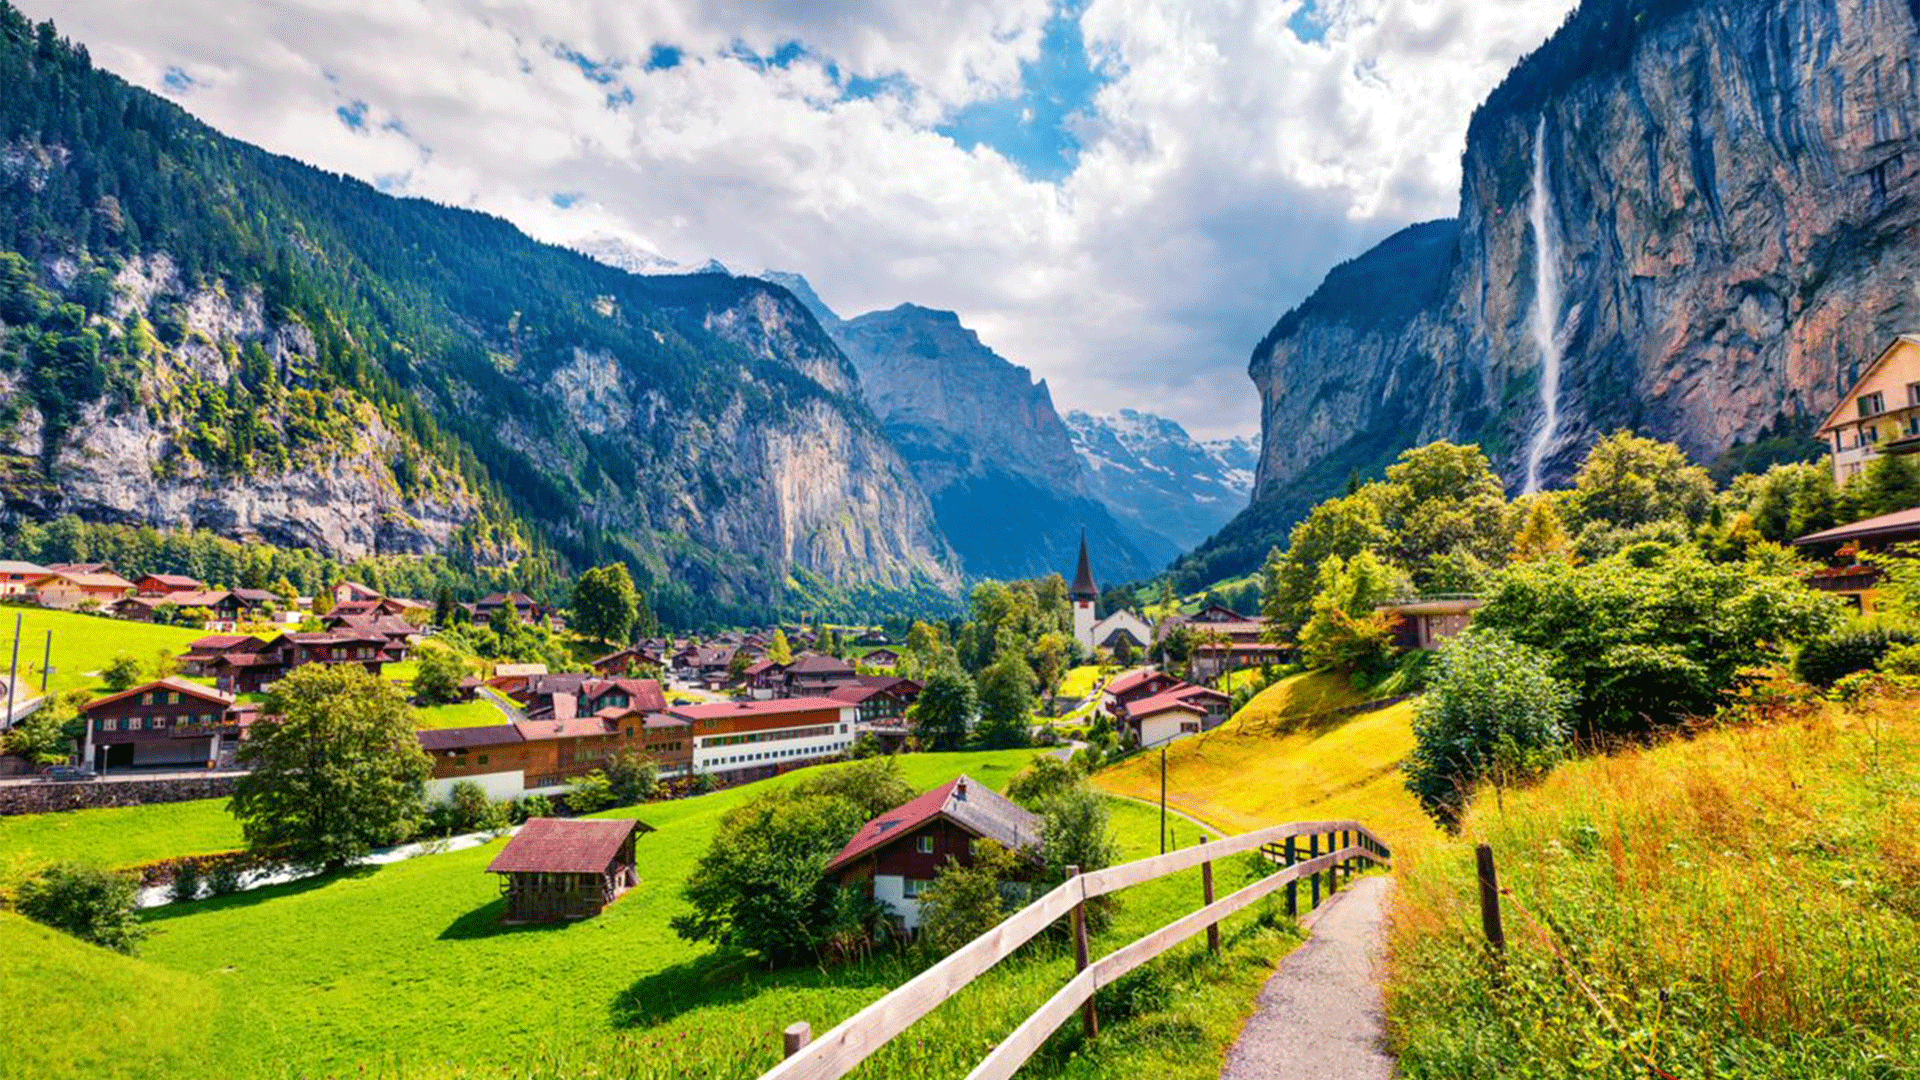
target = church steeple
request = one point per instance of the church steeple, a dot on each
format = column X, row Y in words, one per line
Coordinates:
column 1083, row 586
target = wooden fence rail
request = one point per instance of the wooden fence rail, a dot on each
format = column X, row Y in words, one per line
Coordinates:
column 840, row 1050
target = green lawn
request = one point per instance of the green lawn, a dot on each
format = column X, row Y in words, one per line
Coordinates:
column 116, row 836
column 1080, row 681
column 405, row 970
column 83, row 643
column 476, row 713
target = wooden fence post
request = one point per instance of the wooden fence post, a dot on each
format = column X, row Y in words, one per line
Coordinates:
column 1336, row 841
column 796, row 1037
column 1206, row 890
column 1293, row 887
column 1313, row 852
column 1088, row 1012
column 1490, row 899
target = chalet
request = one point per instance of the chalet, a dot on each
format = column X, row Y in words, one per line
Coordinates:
column 627, row 661
column 397, row 634
column 1135, row 685
column 352, row 592
column 162, row 584
column 70, row 590
column 202, row 653
column 551, row 696
column 1171, row 714
column 878, row 698
column 558, row 868
column 171, row 723
column 896, row 855
column 140, row 608
column 873, row 637
column 220, row 604
column 813, row 673
column 749, row 740
column 1428, row 622
column 1847, row 574
column 1213, row 659
column 663, row 738
column 18, row 578
column 1879, row 413
column 764, row 679
column 882, row 657
column 523, row 605
column 242, row 672
column 511, row 679
column 641, row 694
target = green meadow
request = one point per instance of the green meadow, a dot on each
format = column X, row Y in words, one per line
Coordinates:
column 82, row 644
column 405, row 970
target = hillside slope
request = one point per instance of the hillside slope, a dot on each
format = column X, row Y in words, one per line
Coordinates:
column 214, row 335
column 1729, row 222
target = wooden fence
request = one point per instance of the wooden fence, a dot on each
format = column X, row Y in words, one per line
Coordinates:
column 1296, row 847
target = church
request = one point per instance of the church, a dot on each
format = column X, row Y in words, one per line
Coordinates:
column 1093, row 633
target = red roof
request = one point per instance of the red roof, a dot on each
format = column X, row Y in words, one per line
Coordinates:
column 775, row 707
column 175, row 581
column 564, row 846
column 1897, row 524
column 1180, row 699
column 205, row 693
column 1123, row 683
column 976, row 807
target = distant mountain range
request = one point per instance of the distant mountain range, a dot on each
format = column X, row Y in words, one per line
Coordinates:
column 1158, row 479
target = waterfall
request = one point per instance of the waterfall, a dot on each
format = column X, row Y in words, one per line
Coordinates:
column 1546, row 310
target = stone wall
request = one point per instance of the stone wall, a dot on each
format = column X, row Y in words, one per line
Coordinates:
column 43, row 798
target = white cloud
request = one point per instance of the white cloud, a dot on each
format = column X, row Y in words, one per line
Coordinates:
column 1225, row 166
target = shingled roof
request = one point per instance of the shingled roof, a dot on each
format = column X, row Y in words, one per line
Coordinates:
column 964, row 801
column 565, row 846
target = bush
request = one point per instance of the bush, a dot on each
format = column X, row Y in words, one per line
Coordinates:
column 632, row 777
column 1042, row 781
column 1494, row 712
column 90, row 903
column 121, row 672
column 224, row 878
column 1077, row 833
column 467, row 806
column 590, row 793
column 533, row 806
column 185, row 885
column 1857, row 646
column 966, row 901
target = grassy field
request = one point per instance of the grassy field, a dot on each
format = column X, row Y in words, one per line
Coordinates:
column 1268, row 766
column 116, row 836
column 405, row 970
column 1080, row 681
column 83, row 643
column 476, row 713
column 1745, row 903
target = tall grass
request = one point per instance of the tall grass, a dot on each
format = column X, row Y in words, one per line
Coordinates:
column 1742, row 903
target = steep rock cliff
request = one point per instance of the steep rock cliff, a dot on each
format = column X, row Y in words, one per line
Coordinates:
column 1732, row 217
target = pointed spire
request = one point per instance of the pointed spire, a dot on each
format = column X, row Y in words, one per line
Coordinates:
column 1083, row 586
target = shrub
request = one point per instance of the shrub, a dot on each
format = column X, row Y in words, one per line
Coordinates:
column 1494, row 712
column 1041, row 781
column 590, row 793
column 224, row 878
column 966, row 901
column 1077, row 833
column 632, row 777
column 121, row 672
column 90, row 903
column 185, row 885
column 533, row 806
column 1857, row 646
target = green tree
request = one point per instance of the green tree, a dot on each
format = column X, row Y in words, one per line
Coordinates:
column 334, row 772
column 49, row 736
column 1043, row 780
column 966, row 900
column 1006, row 702
column 1493, row 711
column 605, row 604
column 91, row 903
column 1627, row 480
column 437, row 678
column 779, row 650
column 1344, row 527
column 943, row 713
column 591, row 793
column 632, row 777
column 1078, row 833
column 122, row 672
column 1344, row 631
column 1788, row 501
column 1440, row 504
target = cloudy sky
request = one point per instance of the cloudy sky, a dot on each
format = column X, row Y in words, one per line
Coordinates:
column 1122, row 195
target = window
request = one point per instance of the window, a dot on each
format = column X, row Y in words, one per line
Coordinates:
column 923, row 844
column 1873, row 404
column 101, row 725
column 1913, row 393
column 1869, row 434
column 483, row 759
column 173, row 697
column 460, row 761
column 914, row 887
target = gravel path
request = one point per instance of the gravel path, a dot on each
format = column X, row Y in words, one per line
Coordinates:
column 1320, row 1014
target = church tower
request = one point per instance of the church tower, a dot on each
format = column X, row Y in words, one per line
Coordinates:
column 1083, row 594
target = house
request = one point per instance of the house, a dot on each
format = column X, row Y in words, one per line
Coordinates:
column 643, row 695
column 511, row 679
column 1181, row 710
column 627, row 661
column 881, row 657
column 544, row 756
column 663, row 738
column 398, row 633
column 1429, row 622
column 551, row 696
column 523, row 605
column 1879, row 413
column 896, row 855
column 169, row 723
column 878, row 698
column 559, row 868
column 202, row 653
column 70, row 590
column 162, row 584
column 750, row 740
column 873, row 637
column 1846, row 574
column 1214, row 659
column 243, row 672
column 18, row 578
column 764, row 679
column 814, row 673
column 1133, row 686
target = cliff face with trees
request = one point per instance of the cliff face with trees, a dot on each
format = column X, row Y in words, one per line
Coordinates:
column 1729, row 195
column 201, row 333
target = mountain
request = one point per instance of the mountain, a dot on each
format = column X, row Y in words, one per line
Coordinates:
column 984, row 440
column 196, row 332
column 1724, row 233
column 1152, row 475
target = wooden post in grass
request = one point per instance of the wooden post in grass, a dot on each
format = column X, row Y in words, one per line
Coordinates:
column 1293, row 887
column 1490, row 899
column 1206, row 890
column 1088, row 1013
column 796, row 1037
column 1313, row 852
column 1336, row 841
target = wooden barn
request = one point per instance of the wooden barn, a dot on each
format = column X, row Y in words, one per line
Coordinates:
column 558, row 868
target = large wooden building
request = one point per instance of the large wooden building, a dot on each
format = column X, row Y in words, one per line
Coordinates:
column 897, row 855
column 168, row 724
column 556, row 868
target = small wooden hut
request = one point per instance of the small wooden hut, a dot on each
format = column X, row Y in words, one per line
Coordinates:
column 558, row 868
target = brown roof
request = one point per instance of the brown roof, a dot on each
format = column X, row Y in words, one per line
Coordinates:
column 967, row 803
column 205, row 693
column 459, row 738
column 817, row 664
column 565, row 846
column 174, row 581
column 1899, row 522
column 775, row 707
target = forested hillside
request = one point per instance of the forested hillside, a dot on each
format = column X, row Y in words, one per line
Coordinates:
column 196, row 332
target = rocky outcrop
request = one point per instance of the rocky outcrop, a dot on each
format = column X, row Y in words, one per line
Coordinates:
column 1732, row 203
column 1152, row 474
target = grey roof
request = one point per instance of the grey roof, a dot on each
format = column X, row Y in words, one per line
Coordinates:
column 13, row 566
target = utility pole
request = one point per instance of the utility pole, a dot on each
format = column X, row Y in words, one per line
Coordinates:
column 13, row 676
column 1163, row 798
column 46, row 664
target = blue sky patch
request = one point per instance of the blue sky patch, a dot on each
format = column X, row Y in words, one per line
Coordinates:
column 600, row 71
column 177, row 81
column 1309, row 23
column 664, row 58
column 1033, row 130
column 565, row 199
column 353, row 114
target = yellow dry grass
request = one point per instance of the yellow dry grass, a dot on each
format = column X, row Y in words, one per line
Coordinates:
column 1282, row 759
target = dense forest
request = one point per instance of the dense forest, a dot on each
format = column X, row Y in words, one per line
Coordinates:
column 449, row 324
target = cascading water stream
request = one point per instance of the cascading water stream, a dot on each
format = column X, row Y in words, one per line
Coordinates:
column 1546, row 311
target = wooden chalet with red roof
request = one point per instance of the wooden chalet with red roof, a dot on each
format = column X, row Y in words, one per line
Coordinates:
column 165, row 584
column 242, row 672
column 559, row 868
column 167, row 724
column 897, row 854
column 203, row 653
column 1171, row 714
